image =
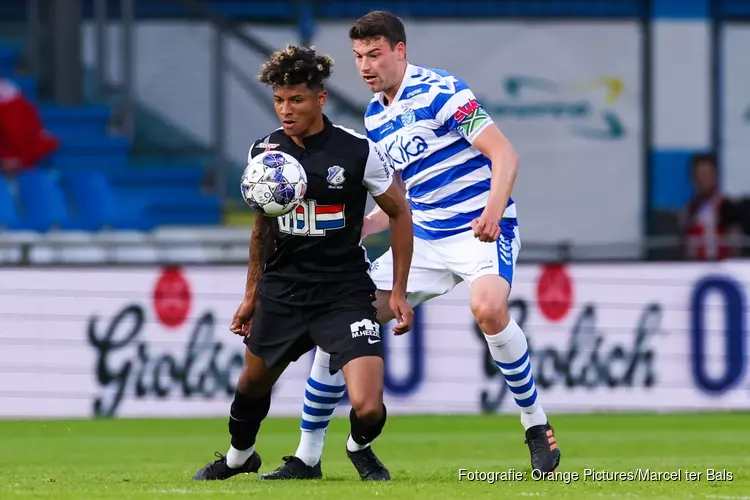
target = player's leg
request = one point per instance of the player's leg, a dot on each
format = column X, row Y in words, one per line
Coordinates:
column 279, row 336
column 323, row 391
column 252, row 400
column 350, row 332
column 364, row 381
column 489, row 269
column 427, row 278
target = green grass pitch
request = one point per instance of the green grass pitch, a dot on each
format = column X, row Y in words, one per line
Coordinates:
column 155, row 459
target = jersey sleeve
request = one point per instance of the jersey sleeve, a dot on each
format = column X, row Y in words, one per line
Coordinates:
column 378, row 170
column 459, row 110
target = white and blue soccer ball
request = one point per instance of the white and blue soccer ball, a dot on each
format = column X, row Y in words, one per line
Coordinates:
column 273, row 183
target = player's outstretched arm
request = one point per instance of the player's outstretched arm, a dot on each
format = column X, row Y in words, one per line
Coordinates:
column 389, row 196
column 377, row 220
column 493, row 144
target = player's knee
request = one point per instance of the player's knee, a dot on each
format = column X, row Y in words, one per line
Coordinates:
column 254, row 379
column 250, row 386
column 492, row 316
column 369, row 410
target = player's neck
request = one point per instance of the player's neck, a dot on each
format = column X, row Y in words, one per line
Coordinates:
column 390, row 95
column 316, row 128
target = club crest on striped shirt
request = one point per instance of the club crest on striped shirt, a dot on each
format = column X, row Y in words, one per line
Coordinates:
column 335, row 177
column 408, row 117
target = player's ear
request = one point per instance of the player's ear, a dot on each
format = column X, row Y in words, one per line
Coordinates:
column 400, row 49
column 322, row 97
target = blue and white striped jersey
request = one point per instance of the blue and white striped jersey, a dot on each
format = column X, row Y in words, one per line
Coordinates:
column 428, row 132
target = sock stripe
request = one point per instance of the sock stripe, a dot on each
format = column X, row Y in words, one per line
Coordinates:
column 522, row 388
column 306, row 425
column 333, row 389
column 320, row 399
column 526, row 402
column 514, row 365
column 323, row 394
column 316, row 412
column 516, row 377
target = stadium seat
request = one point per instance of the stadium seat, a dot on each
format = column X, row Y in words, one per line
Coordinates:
column 96, row 202
column 9, row 57
column 44, row 204
column 9, row 217
column 95, row 117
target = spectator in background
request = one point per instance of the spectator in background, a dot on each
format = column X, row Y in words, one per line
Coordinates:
column 23, row 141
column 711, row 221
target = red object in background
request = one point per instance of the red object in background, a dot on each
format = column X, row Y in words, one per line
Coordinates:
column 22, row 134
column 172, row 297
column 554, row 292
column 708, row 223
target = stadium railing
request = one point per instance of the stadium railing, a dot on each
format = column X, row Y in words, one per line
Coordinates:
column 229, row 246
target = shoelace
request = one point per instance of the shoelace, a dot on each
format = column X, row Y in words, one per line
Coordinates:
column 220, row 458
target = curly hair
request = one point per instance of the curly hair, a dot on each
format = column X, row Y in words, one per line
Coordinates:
column 295, row 65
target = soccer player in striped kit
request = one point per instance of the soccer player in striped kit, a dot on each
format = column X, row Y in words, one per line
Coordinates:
column 458, row 171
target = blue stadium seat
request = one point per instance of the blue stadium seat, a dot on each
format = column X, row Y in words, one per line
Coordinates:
column 84, row 120
column 9, row 217
column 199, row 210
column 9, row 57
column 96, row 201
column 162, row 177
column 44, row 204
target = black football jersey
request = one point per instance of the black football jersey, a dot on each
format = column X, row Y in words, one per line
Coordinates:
column 319, row 255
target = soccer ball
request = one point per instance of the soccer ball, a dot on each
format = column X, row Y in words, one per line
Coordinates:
column 273, row 183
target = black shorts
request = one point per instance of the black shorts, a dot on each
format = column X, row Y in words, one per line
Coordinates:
column 346, row 329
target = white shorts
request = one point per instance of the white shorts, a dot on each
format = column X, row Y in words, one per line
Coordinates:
column 437, row 266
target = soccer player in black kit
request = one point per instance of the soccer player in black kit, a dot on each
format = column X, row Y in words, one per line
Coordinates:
column 308, row 281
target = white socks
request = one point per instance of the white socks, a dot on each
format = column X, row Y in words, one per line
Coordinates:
column 323, row 392
column 352, row 445
column 510, row 351
column 236, row 458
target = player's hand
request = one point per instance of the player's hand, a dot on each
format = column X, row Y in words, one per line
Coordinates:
column 242, row 321
column 486, row 229
column 403, row 313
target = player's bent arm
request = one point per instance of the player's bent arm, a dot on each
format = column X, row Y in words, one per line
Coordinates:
column 396, row 208
column 261, row 246
column 379, row 181
column 377, row 218
column 493, row 144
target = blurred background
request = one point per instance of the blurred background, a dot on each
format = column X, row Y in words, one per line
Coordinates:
column 125, row 125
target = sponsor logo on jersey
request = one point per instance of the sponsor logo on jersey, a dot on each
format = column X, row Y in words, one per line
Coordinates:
column 466, row 110
column 311, row 219
column 335, row 177
column 470, row 118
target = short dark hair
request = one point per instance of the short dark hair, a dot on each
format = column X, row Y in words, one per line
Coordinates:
column 377, row 24
column 699, row 158
column 295, row 65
